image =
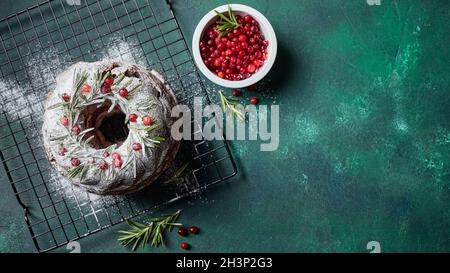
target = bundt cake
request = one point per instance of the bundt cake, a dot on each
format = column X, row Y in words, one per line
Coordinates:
column 107, row 126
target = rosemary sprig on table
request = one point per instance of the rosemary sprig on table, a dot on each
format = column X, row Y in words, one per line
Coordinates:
column 232, row 106
column 178, row 173
column 227, row 24
column 153, row 232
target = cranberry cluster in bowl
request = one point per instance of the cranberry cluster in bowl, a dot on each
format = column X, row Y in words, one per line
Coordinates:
column 234, row 46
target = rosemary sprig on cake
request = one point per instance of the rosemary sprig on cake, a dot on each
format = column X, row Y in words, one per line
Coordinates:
column 153, row 232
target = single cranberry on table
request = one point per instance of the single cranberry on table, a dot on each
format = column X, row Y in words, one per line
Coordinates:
column 254, row 100
column 184, row 245
column 194, row 230
column 182, row 231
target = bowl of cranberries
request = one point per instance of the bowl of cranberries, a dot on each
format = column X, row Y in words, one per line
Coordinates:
column 234, row 46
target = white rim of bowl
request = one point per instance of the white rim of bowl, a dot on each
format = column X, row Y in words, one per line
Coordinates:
column 264, row 24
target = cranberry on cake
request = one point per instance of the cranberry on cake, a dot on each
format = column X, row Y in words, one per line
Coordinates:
column 107, row 126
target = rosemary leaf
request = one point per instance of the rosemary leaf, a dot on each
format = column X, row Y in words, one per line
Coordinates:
column 56, row 105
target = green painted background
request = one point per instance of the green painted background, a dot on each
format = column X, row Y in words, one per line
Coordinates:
column 365, row 137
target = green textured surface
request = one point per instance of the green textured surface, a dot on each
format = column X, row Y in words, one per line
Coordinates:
column 364, row 137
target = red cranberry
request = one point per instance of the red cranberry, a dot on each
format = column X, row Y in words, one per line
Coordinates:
column 194, row 230
column 258, row 63
column 137, row 146
column 251, row 68
column 105, row 89
column 76, row 130
column 86, row 88
column 236, row 93
column 75, row 162
column 64, row 121
column 65, row 97
column 133, row 118
column 184, row 245
column 147, row 120
column 221, row 74
column 123, row 92
column 116, row 156
column 248, row 18
column 117, row 162
column 182, row 231
column 62, row 151
column 109, row 80
column 254, row 101
column 103, row 165
column 242, row 38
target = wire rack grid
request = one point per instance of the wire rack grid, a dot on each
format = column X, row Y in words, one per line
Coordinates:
column 56, row 212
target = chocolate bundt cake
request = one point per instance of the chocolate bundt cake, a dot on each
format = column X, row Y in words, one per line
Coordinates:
column 107, row 126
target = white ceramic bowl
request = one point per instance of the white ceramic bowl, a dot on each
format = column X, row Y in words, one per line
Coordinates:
column 266, row 29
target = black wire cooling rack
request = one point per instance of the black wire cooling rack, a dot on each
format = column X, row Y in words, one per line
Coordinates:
column 55, row 212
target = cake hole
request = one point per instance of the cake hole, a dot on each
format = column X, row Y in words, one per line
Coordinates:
column 114, row 128
column 109, row 127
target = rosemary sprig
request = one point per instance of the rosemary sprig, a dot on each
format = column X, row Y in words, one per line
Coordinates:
column 227, row 23
column 178, row 173
column 154, row 231
column 232, row 106
column 72, row 172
